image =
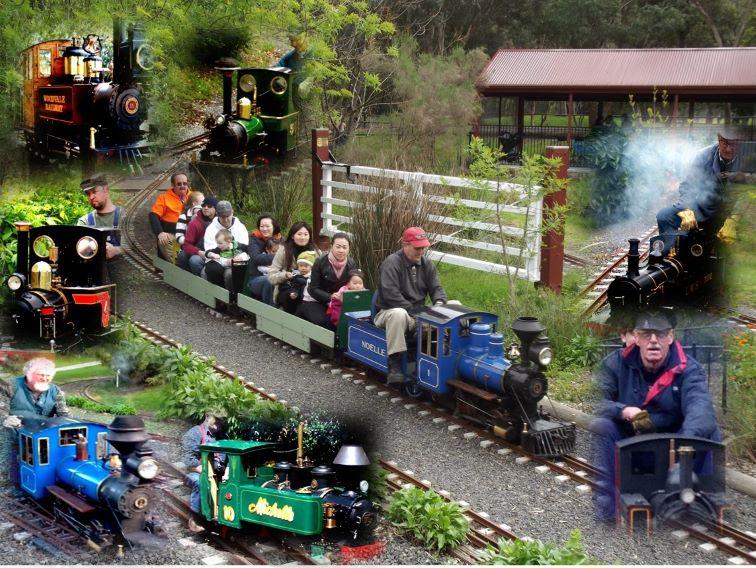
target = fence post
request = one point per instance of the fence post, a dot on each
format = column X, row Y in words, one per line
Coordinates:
column 552, row 244
column 319, row 150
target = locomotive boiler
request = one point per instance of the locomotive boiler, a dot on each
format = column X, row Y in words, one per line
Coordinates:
column 60, row 285
column 694, row 270
column 96, row 478
column 74, row 107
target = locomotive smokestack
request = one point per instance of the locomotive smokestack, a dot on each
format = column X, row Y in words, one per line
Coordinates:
column 120, row 65
column 227, row 66
column 22, row 254
column 633, row 259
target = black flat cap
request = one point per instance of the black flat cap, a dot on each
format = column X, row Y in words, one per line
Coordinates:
column 655, row 320
column 90, row 183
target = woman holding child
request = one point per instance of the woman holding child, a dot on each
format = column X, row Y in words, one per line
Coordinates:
column 284, row 265
column 264, row 242
column 330, row 273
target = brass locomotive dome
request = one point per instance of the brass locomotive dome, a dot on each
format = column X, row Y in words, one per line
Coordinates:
column 41, row 276
column 278, row 85
column 247, row 83
column 145, row 57
column 42, row 246
column 86, row 247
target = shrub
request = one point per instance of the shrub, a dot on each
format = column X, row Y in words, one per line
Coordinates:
column 118, row 409
column 425, row 515
column 523, row 552
column 741, row 411
column 583, row 350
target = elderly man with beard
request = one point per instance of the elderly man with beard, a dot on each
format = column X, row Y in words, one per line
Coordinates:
column 649, row 386
column 34, row 395
column 104, row 214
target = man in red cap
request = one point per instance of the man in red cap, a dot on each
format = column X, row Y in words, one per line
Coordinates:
column 405, row 279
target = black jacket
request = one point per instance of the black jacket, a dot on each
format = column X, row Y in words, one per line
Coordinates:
column 323, row 281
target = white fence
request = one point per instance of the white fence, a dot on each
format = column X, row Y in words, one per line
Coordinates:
column 523, row 210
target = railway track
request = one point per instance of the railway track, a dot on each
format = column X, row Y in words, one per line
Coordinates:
column 594, row 293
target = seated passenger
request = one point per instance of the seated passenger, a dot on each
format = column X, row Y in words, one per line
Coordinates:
column 220, row 260
column 165, row 213
column 193, row 205
column 649, row 386
column 406, row 278
column 224, row 219
column 329, row 274
column 292, row 293
column 260, row 255
column 707, row 198
column 355, row 282
column 192, row 254
column 284, row 262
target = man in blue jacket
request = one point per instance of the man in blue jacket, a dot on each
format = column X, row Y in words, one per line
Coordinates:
column 706, row 194
column 649, row 386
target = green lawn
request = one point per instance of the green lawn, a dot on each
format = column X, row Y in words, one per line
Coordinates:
column 742, row 261
column 143, row 398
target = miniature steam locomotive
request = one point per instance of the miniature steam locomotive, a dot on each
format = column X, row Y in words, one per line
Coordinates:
column 95, row 478
column 264, row 124
column 60, row 284
column 667, row 476
column 294, row 497
column 72, row 108
column 460, row 357
column 695, row 269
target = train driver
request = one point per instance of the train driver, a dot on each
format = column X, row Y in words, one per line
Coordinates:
column 706, row 195
column 405, row 279
column 211, row 429
column 103, row 214
column 165, row 214
column 649, row 386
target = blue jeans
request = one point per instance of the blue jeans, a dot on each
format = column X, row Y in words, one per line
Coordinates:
column 605, row 433
column 194, row 263
column 261, row 289
column 192, row 480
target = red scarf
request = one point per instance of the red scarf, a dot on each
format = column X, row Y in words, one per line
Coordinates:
column 667, row 377
column 338, row 267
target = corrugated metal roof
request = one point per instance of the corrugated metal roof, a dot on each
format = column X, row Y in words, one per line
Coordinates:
column 696, row 70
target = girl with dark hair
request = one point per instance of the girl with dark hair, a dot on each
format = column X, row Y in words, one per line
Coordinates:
column 329, row 273
column 284, row 263
column 258, row 285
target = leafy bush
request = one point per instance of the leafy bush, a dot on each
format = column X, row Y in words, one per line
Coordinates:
column 523, row 552
column 425, row 515
column 741, row 411
column 583, row 350
column 119, row 409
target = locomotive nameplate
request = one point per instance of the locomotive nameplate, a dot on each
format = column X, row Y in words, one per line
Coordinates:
column 56, row 103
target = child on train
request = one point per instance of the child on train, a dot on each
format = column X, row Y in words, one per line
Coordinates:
column 291, row 293
column 355, row 282
column 219, row 260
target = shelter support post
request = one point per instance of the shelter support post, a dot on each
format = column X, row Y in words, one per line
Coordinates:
column 320, row 153
column 552, row 244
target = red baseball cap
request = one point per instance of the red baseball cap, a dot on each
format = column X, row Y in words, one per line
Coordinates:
column 416, row 237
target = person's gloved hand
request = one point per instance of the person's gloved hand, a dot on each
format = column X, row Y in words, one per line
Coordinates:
column 642, row 423
column 688, row 220
column 728, row 233
column 12, row 422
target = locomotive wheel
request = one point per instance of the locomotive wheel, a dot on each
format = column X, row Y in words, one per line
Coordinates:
column 413, row 389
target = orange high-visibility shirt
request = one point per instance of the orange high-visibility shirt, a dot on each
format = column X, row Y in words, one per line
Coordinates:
column 168, row 206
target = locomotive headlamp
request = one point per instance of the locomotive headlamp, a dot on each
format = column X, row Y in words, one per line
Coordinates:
column 221, row 120
column 364, row 486
column 247, row 83
column 540, row 351
column 687, row 496
column 544, row 356
column 147, row 469
column 86, row 247
column 16, row 281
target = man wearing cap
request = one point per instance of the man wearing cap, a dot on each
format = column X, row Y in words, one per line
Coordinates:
column 211, row 429
column 104, row 214
column 165, row 214
column 224, row 219
column 192, row 254
column 405, row 279
column 649, row 386
column 706, row 194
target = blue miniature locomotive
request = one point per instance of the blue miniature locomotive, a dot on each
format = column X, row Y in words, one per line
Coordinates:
column 666, row 476
column 60, row 285
column 460, row 356
column 94, row 477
